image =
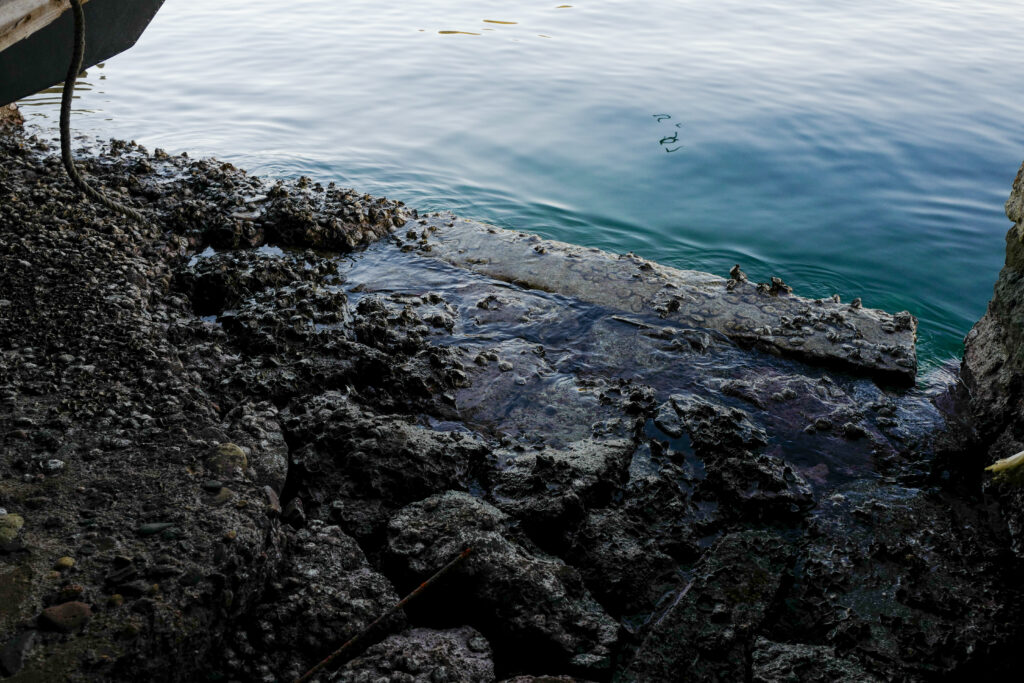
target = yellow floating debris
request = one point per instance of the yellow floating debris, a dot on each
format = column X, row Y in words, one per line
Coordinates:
column 1007, row 467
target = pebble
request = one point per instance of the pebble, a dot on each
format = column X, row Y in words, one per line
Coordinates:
column 213, row 485
column 852, row 430
column 10, row 525
column 227, row 458
column 224, row 495
column 66, row 618
column 154, row 528
column 64, row 563
column 273, row 501
column 478, row 644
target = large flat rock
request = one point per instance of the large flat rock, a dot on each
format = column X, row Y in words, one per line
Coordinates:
column 815, row 330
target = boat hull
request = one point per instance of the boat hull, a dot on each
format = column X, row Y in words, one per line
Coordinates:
column 41, row 60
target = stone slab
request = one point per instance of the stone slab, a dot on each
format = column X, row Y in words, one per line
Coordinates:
column 819, row 331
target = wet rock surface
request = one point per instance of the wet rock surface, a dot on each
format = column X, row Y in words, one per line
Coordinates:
column 423, row 655
column 764, row 315
column 325, row 593
column 991, row 396
column 781, row 662
column 230, row 443
column 717, row 613
column 531, row 600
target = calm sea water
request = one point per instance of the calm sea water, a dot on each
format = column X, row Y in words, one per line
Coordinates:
column 864, row 148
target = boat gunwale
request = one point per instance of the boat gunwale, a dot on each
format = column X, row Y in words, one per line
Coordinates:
column 20, row 19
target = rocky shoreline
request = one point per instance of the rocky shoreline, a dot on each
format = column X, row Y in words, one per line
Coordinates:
column 236, row 435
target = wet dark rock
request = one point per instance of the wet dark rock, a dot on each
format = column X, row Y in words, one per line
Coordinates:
column 294, row 513
column 152, row 528
column 325, row 593
column 798, row 663
column 621, row 564
column 273, row 319
column 713, row 427
column 529, row 600
column 224, row 280
column 879, row 560
column 335, row 219
column 717, row 613
column 779, row 287
column 256, row 428
column 992, row 363
column 991, row 397
column 422, row 655
column 109, row 373
column 361, row 466
column 549, row 490
column 758, row 486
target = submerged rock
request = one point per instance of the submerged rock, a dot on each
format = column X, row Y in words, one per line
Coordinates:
column 866, row 340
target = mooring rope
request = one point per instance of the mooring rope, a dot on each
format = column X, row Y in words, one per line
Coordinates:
column 65, row 120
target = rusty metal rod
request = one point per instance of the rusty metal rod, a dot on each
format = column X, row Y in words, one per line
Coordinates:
column 399, row 605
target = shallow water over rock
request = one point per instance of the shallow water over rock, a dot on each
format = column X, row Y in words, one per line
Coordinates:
column 549, row 369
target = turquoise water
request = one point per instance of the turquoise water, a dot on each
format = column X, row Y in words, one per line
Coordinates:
column 864, row 148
